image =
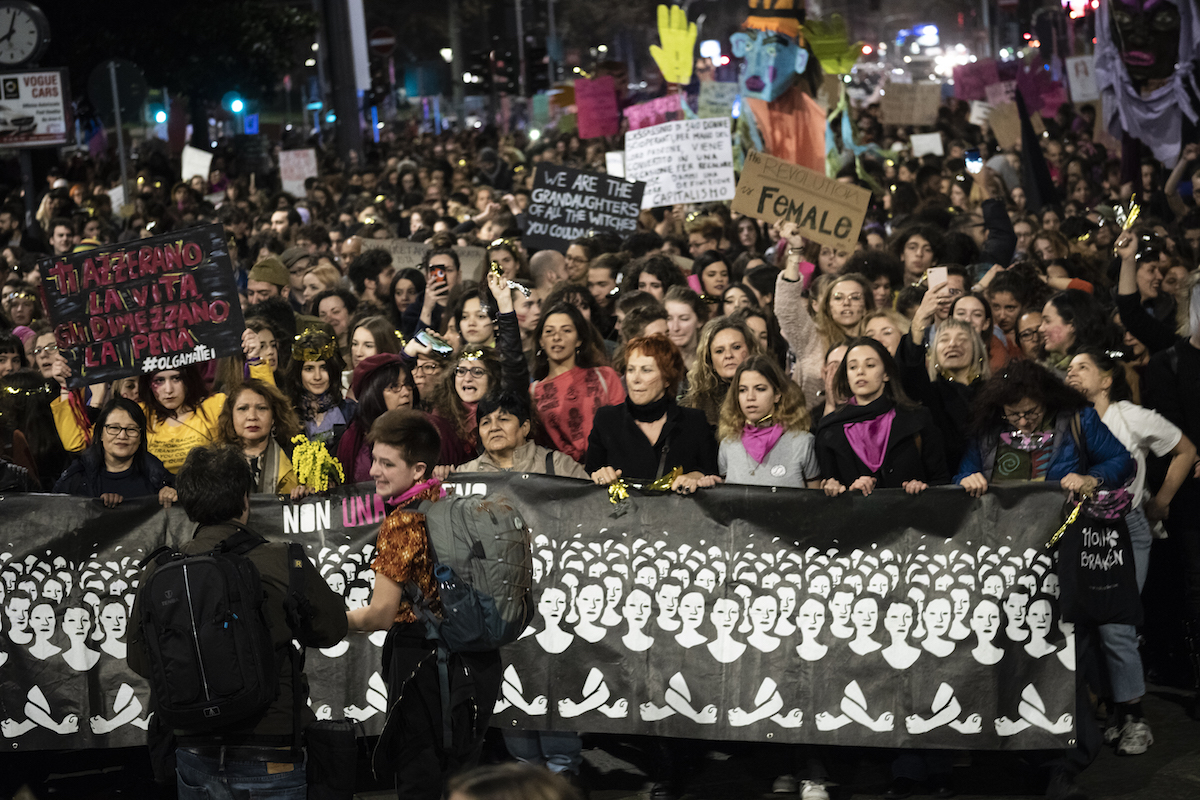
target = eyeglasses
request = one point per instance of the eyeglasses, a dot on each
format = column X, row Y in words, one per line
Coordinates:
column 475, row 372
column 1030, row 415
column 116, row 431
column 46, row 348
column 1029, row 335
column 847, row 298
column 576, row 260
column 426, row 369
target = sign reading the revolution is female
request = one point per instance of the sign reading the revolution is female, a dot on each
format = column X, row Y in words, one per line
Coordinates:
column 142, row 306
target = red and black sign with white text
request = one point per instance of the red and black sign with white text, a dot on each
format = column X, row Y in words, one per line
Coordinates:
column 143, row 306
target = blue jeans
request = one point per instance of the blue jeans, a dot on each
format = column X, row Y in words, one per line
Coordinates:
column 560, row 751
column 201, row 778
column 1119, row 642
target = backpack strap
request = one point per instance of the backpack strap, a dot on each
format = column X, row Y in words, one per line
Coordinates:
column 443, row 667
column 299, row 618
column 1080, row 443
column 241, row 542
column 550, row 462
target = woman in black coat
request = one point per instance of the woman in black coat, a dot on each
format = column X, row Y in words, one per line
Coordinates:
column 649, row 434
column 880, row 438
column 117, row 465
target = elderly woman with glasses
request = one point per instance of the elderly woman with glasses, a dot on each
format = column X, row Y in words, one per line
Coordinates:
column 117, row 465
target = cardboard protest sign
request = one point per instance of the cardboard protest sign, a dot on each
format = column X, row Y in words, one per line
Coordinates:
column 295, row 167
column 569, row 203
column 1005, row 122
column 596, row 107
column 716, row 99
column 911, row 104
column 926, row 143
column 690, row 161
column 1081, row 75
column 143, row 306
column 655, row 112
column 195, row 162
column 1001, row 93
column 971, row 80
column 825, row 210
column 410, row 254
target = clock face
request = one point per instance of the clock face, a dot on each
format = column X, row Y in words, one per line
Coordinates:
column 19, row 35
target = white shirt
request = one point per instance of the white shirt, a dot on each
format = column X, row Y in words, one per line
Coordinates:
column 1142, row 431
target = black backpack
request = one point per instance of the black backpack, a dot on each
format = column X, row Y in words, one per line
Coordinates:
column 212, row 660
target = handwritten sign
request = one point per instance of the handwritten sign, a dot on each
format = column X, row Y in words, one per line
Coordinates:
column 690, row 161
column 410, row 254
column 911, row 103
column 825, row 210
column 568, row 203
column 655, row 112
column 596, row 107
column 1081, row 76
column 295, row 167
column 716, row 99
column 143, row 306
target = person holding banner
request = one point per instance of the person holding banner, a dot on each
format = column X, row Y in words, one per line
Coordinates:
column 260, row 420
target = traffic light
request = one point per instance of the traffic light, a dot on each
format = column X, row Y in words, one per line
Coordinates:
column 233, row 102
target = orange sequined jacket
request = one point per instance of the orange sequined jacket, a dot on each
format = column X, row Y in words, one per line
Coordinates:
column 402, row 553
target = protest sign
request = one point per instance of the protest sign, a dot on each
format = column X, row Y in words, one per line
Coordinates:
column 117, row 198
column 1001, row 93
column 410, row 254
column 971, row 80
column 716, row 99
column 690, row 161
column 654, row 112
column 773, row 557
column 1005, row 123
column 569, row 203
column 37, row 108
column 195, row 162
column 980, row 111
column 295, row 167
column 926, row 143
column 146, row 305
column 1081, row 75
column 596, row 107
column 826, row 211
column 910, row 103
column 614, row 163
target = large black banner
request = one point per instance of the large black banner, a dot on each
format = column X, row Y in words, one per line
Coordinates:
column 153, row 304
column 738, row 613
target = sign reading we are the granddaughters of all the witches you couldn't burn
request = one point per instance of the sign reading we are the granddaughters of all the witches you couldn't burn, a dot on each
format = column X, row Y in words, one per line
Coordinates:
column 143, row 306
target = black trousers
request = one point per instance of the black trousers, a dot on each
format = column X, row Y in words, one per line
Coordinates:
column 412, row 747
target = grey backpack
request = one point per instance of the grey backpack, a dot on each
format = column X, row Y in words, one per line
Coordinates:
column 484, row 570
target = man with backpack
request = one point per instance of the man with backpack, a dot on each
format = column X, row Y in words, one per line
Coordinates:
column 442, row 676
column 212, row 630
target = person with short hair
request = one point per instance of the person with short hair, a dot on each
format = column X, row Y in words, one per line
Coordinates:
column 268, row 278
column 117, row 465
column 505, row 422
column 404, row 453
column 259, row 754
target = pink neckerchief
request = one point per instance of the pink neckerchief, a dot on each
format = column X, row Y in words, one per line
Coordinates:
column 416, row 489
column 869, row 438
column 759, row 441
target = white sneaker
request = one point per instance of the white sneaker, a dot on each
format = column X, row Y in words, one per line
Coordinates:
column 784, row 784
column 813, row 790
column 1136, row 737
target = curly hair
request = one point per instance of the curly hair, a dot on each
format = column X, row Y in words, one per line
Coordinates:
column 284, row 422
column 706, row 389
column 665, row 354
column 1093, row 328
column 790, row 411
column 445, row 401
column 1020, row 380
column 660, row 266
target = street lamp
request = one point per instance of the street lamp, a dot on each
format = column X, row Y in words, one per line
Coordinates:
column 447, row 54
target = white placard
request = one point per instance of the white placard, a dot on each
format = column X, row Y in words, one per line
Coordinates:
column 117, row 198
column 980, row 111
column 1081, row 76
column 614, row 163
column 295, row 167
column 926, row 143
column 687, row 161
column 195, row 162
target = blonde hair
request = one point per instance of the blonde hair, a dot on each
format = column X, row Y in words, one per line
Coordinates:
column 329, row 277
column 705, row 391
column 831, row 332
column 902, row 323
column 980, row 362
column 791, row 411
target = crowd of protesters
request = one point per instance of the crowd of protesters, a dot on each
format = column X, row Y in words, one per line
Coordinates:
column 974, row 321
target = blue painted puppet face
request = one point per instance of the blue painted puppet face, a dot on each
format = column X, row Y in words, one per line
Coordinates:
column 772, row 62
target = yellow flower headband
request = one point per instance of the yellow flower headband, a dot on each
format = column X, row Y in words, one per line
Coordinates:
column 471, row 355
column 314, row 345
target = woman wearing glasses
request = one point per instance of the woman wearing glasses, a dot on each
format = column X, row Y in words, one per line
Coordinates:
column 117, row 465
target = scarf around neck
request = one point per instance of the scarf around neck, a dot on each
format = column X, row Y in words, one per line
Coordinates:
column 418, row 488
column 868, row 438
column 650, row 412
column 759, row 441
column 311, row 405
